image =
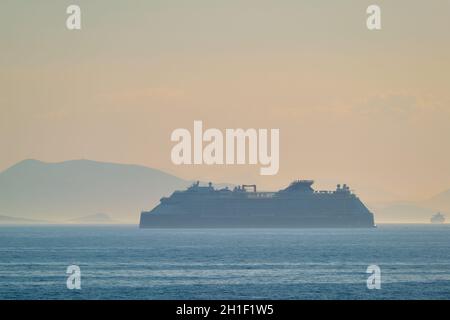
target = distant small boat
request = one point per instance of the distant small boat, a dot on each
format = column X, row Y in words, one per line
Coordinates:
column 437, row 218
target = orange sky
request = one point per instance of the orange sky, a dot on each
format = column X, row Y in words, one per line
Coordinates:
column 371, row 109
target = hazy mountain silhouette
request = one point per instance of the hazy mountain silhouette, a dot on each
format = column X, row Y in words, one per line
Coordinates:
column 440, row 202
column 420, row 211
column 99, row 218
column 405, row 212
column 62, row 191
column 18, row 220
column 76, row 191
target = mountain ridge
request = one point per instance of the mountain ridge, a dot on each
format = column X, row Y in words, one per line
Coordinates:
column 62, row 192
column 33, row 189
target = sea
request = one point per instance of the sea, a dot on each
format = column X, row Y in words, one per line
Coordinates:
column 125, row 262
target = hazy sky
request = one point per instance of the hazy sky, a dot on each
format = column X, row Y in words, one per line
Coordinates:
column 368, row 108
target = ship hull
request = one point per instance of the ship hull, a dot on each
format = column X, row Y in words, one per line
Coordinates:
column 316, row 211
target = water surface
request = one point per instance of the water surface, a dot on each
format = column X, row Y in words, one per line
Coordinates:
column 124, row 262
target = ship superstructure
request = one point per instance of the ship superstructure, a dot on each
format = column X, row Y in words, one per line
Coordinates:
column 438, row 218
column 298, row 205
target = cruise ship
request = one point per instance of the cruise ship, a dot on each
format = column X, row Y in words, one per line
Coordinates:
column 297, row 206
column 438, row 218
